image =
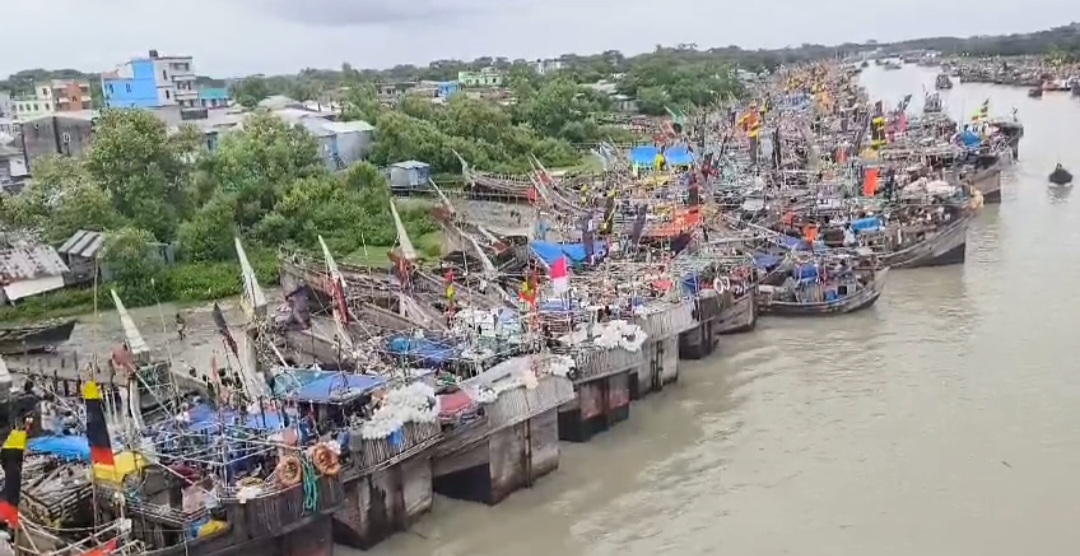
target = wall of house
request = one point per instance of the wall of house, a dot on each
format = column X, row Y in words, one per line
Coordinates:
column 54, row 135
column 136, row 86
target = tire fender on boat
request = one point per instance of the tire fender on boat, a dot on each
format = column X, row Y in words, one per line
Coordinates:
column 325, row 460
column 289, row 471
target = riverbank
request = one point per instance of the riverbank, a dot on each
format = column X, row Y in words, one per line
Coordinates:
column 187, row 284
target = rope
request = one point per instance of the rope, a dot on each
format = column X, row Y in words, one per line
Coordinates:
column 311, row 486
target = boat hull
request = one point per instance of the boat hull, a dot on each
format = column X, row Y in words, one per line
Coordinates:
column 740, row 316
column 863, row 299
column 988, row 183
column 947, row 247
column 37, row 338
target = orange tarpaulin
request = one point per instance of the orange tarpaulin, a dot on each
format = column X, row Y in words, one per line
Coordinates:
column 810, row 233
column 682, row 220
column 869, row 187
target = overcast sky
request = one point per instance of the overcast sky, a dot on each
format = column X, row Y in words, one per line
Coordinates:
column 239, row 37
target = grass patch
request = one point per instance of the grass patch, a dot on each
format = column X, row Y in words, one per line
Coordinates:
column 428, row 246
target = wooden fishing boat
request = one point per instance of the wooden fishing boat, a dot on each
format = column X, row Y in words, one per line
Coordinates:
column 944, row 246
column 987, row 181
column 35, row 338
column 499, row 187
column 866, row 292
column 739, row 316
column 1035, row 92
column 943, row 82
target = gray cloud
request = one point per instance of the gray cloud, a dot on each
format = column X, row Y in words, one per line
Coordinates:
column 238, row 37
column 343, row 13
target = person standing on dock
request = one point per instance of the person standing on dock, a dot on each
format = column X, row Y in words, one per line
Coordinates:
column 181, row 326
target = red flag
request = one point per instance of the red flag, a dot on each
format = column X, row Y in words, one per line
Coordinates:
column 560, row 275
column 531, row 195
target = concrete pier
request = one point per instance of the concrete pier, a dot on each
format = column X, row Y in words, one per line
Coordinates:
column 388, row 485
column 514, row 443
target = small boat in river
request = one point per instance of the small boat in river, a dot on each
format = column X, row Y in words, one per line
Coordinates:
column 1060, row 176
column 35, row 338
column 943, row 82
column 1035, row 92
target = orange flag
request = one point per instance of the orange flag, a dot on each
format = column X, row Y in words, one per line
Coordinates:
column 869, row 187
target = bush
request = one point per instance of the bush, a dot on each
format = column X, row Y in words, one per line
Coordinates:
column 53, row 304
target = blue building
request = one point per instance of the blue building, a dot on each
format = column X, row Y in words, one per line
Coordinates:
column 151, row 82
column 447, row 88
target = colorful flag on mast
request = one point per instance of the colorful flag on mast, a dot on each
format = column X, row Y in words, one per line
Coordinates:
column 560, row 275
column 11, row 457
column 97, row 429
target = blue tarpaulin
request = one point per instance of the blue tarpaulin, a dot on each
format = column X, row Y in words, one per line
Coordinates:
column 970, row 139
column 71, row 448
column 691, row 284
column 806, row 272
column 574, row 252
column 320, row 386
column 679, row 156
column 644, row 155
column 430, row 352
column 203, row 417
column 868, row 224
column 765, row 261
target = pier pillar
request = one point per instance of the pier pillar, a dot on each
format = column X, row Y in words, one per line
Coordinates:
column 600, row 404
column 509, row 459
column 383, row 502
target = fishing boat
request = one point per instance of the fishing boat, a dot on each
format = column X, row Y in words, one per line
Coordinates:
column 35, row 338
column 932, row 104
column 1060, row 176
column 984, row 176
column 915, row 241
column 943, row 82
column 823, row 289
column 891, row 65
column 1035, row 92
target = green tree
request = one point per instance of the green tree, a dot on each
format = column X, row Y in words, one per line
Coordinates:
column 134, row 262
column 145, row 175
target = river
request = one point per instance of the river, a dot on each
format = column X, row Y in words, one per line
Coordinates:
column 943, row 421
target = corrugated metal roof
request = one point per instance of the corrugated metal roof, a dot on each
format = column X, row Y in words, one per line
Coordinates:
column 345, row 127
column 411, row 164
column 83, row 244
column 30, row 263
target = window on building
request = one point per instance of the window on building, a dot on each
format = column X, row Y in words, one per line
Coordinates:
column 167, row 94
column 127, row 86
column 109, row 87
column 164, row 75
column 35, row 107
column 44, row 91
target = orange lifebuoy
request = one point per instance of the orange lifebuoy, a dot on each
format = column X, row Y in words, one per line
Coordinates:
column 325, row 460
column 289, row 471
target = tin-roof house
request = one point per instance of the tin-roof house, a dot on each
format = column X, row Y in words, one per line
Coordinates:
column 29, row 271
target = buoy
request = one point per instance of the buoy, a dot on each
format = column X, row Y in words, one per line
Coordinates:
column 1060, row 176
column 289, row 471
column 325, row 460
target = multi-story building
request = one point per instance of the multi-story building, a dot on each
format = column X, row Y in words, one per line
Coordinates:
column 6, row 106
column 544, row 67
column 66, row 95
column 151, row 82
column 49, row 97
column 487, row 77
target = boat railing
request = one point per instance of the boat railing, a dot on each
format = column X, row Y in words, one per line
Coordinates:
column 165, row 513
